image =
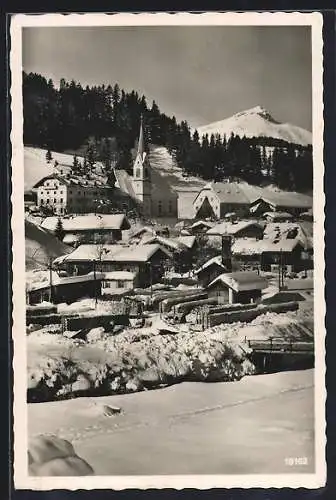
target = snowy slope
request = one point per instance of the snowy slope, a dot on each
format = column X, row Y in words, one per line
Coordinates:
column 257, row 122
column 41, row 246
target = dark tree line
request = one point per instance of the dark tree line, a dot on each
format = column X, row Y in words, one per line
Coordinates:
column 102, row 123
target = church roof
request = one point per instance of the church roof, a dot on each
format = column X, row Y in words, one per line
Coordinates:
column 141, row 143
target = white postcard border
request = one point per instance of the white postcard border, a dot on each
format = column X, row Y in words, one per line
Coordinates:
column 21, row 478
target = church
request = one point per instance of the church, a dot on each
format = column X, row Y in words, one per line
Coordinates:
column 149, row 190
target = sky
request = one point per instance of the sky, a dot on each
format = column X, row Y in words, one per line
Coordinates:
column 200, row 74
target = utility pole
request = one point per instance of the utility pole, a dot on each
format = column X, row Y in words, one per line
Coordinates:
column 51, row 295
column 150, row 279
column 282, row 270
column 95, row 283
column 279, row 272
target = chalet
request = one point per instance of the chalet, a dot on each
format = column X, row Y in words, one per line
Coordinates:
column 307, row 216
column 217, row 199
column 181, row 248
column 147, row 261
column 118, row 281
column 65, row 289
column 287, row 252
column 149, row 231
column 277, row 216
column 66, row 194
column 281, row 201
column 238, row 229
column 200, row 227
column 210, row 270
column 89, row 228
column 237, row 287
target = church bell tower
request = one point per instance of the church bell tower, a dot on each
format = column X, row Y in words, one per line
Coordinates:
column 142, row 175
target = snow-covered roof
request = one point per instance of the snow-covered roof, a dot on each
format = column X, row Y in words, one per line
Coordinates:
column 214, row 260
column 232, row 228
column 201, row 223
column 138, row 253
column 241, row 281
column 287, row 199
column 57, row 280
column 114, row 253
column 247, row 246
column 88, row 222
column 160, row 240
column 93, row 252
column 234, row 193
column 188, row 241
column 280, row 215
column 119, row 275
column 70, row 238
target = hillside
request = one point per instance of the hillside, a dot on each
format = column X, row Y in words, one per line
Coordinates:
column 41, row 246
column 257, row 122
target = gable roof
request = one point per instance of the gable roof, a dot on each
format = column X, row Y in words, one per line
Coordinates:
column 93, row 252
column 286, row 199
column 217, row 260
column 139, row 253
column 166, row 242
column 246, row 246
column 202, row 223
column 232, row 228
column 188, row 241
column 88, row 222
column 113, row 253
column 241, row 281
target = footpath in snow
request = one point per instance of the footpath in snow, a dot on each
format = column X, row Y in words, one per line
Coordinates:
column 244, row 427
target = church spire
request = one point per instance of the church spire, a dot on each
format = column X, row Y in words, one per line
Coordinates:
column 141, row 143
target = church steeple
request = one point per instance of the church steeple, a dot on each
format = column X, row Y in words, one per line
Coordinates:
column 141, row 174
column 141, row 143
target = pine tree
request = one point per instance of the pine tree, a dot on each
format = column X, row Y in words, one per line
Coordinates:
column 48, row 156
column 75, row 163
column 90, row 156
column 59, row 231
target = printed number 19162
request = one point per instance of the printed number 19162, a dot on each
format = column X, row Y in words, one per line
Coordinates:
column 296, row 461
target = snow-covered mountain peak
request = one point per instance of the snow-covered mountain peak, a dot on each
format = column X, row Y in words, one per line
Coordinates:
column 257, row 110
column 257, row 122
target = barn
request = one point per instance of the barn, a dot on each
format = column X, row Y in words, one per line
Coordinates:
column 242, row 287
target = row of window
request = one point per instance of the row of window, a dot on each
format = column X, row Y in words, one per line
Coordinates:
column 51, row 201
column 120, row 284
column 79, row 193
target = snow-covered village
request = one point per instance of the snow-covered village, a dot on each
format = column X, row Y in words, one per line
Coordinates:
column 169, row 266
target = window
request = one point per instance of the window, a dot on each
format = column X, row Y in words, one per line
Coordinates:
column 47, row 192
column 55, row 200
column 47, row 200
column 55, row 192
column 42, row 202
column 79, row 193
column 120, row 284
column 70, row 192
column 61, row 200
column 47, row 183
column 61, row 192
column 137, row 172
column 160, row 207
column 170, row 206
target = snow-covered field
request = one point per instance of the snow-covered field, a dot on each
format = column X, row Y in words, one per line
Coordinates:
column 245, row 427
